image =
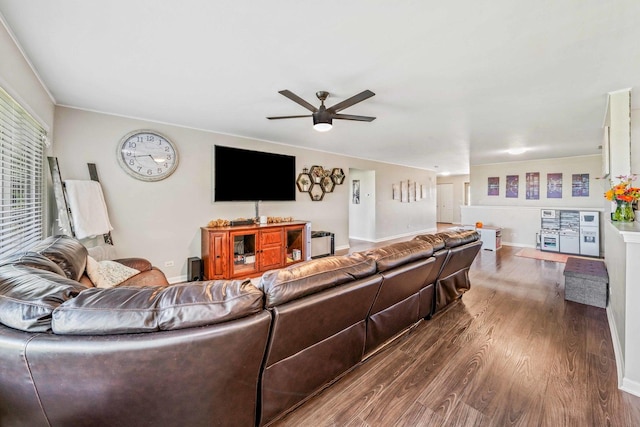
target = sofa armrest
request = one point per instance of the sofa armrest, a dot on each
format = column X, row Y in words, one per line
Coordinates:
column 151, row 277
column 140, row 264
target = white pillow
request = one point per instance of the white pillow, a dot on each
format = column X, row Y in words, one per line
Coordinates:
column 107, row 274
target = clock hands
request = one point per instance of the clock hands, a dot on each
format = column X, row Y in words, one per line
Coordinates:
column 158, row 160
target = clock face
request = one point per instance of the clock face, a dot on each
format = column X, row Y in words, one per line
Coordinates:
column 147, row 155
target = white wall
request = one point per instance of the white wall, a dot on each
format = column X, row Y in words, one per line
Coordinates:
column 161, row 220
column 567, row 166
column 518, row 217
column 19, row 80
column 458, row 182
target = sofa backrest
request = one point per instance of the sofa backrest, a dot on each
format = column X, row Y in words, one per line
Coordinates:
column 396, row 254
column 319, row 310
column 404, row 267
column 68, row 253
column 455, row 238
column 126, row 309
column 437, row 241
column 29, row 295
column 192, row 377
column 299, row 280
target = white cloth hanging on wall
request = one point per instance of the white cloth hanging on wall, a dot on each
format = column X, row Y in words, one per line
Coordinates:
column 88, row 208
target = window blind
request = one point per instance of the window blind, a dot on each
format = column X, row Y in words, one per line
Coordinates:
column 21, row 177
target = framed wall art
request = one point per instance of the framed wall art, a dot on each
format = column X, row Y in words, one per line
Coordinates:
column 580, row 185
column 355, row 197
column 512, row 186
column 493, row 186
column 404, row 191
column 532, row 181
column 554, row 186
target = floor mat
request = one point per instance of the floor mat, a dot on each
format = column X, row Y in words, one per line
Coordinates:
column 545, row 256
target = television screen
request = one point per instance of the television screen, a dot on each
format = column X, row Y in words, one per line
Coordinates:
column 246, row 175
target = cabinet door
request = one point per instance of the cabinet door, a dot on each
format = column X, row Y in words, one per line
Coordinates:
column 271, row 248
column 295, row 248
column 214, row 255
column 244, row 250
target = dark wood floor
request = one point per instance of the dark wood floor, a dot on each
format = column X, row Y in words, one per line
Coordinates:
column 511, row 352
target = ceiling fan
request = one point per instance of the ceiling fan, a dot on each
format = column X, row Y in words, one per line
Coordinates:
column 323, row 116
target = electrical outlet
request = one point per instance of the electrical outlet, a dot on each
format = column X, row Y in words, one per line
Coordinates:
column 168, row 263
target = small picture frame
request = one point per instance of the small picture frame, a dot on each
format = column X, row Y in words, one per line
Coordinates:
column 395, row 191
column 355, row 196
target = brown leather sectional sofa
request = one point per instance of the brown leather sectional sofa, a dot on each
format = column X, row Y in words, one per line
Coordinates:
column 206, row 353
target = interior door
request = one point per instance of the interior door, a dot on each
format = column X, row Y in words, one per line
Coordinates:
column 444, row 199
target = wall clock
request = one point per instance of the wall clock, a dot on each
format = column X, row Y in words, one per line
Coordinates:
column 147, row 155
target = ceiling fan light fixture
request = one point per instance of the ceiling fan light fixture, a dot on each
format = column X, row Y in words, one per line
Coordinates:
column 322, row 122
column 322, row 127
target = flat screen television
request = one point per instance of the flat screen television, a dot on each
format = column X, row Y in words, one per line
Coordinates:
column 245, row 175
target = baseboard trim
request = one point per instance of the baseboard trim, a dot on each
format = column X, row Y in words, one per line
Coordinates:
column 631, row 387
column 617, row 349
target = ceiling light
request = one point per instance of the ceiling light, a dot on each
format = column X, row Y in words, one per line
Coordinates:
column 516, row 151
column 322, row 127
column 322, row 122
column 445, row 173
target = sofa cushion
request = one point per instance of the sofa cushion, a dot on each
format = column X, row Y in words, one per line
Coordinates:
column 309, row 277
column 458, row 238
column 67, row 252
column 436, row 241
column 108, row 311
column 204, row 303
column 107, row 274
column 122, row 309
column 29, row 295
column 396, row 254
column 34, row 260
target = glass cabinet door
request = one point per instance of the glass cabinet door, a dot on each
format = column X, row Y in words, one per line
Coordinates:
column 243, row 247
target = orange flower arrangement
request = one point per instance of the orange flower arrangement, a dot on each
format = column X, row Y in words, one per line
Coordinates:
column 623, row 191
column 624, row 195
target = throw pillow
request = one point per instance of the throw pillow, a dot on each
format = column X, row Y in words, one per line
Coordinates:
column 107, row 274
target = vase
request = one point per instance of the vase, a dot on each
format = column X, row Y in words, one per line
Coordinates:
column 624, row 212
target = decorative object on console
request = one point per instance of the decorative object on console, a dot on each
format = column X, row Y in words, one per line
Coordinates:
column 278, row 219
column 147, row 155
column 323, row 116
column 219, row 223
column 318, row 181
column 624, row 195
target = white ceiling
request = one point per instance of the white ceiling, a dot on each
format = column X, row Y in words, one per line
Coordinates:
column 457, row 82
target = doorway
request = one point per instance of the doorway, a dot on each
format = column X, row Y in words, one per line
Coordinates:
column 444, row 200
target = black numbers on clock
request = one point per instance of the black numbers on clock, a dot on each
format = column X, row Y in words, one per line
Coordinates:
column 149, row 172
column 131, row 162
column 150, row 138
column 132, row 144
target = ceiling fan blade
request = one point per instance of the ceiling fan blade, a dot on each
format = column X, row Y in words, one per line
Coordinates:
column 350, row 101
column 295, row 98
column 351, row 117
column 288, row 117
